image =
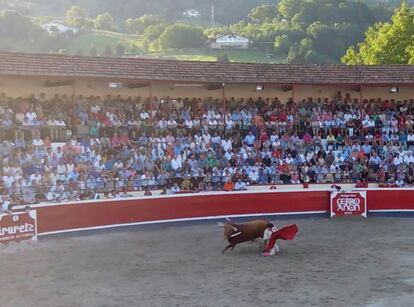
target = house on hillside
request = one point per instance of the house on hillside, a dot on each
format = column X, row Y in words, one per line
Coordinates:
column 192, row 13
column 54, row 26
column 230, row 41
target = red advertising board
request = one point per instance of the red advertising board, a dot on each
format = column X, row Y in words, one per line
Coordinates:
column 349, row 203
column 18, row 226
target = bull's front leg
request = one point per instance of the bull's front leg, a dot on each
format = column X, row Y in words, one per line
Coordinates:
column 231, row 245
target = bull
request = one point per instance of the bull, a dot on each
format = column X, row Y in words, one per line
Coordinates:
column 239, row 233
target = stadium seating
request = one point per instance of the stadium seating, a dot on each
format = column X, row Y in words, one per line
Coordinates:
column 59, row 150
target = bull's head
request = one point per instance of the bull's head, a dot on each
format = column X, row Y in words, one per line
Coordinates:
column 229, row 230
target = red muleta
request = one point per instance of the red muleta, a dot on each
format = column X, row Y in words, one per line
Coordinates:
column 349, row 203
column 18, row 226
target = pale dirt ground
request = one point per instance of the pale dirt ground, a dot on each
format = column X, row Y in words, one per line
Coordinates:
column 343, row 262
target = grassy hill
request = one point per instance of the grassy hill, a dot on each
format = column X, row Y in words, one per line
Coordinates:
column 101, row 39
column 248, row 56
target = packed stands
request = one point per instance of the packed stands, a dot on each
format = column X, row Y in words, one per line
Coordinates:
column 58, row 150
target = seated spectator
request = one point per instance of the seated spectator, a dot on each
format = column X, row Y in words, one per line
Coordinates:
column 6, row 203
column 240, row 185
column 175, row 189
column 186, row 184
column 229, row 185
column 253, row 176
column 249, row 139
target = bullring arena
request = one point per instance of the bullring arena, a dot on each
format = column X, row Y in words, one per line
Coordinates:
column 347, row 261
column 115, row 231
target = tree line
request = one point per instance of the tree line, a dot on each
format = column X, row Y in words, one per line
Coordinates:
column 226, row 12
column 312, row 31
column 386, row 43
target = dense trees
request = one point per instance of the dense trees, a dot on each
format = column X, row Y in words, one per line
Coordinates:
column 386, row 43
column 20, row 33
column 138, row 25
column 77, row 17
column 313, row 31
column 263, row 13
column 226, row 12
column 104, row 22
column 306, row 31
column 14, row 24
column 180, row 36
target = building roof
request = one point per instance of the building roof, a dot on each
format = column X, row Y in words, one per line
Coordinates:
column 47, row 65
column 231, row 38
column 60, row 27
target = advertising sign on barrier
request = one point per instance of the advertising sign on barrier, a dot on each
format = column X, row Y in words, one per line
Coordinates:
column 18, row 226
column 349, row 203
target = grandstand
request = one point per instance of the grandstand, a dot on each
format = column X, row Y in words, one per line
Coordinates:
column 77, row 128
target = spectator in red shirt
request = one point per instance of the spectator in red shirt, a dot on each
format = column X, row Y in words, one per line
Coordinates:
column 116, row 141
column 124, row 139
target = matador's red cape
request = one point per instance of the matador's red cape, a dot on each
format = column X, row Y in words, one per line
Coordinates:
column 285, row 233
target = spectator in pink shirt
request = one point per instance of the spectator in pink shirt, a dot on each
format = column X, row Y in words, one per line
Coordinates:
column 307, row 138
column 116, row 140
column 124, row 139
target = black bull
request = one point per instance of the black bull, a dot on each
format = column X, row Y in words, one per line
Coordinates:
column 239, row 233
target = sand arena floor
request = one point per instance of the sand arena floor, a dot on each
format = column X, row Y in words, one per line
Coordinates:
column 343, row 262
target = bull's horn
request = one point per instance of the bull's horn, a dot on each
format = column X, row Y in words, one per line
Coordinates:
column 228, row 219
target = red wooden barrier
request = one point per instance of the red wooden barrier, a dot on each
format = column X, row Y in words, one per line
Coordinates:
column 85, row 215
column 110, row 213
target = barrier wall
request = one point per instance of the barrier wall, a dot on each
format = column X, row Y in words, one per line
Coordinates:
column 68, row 217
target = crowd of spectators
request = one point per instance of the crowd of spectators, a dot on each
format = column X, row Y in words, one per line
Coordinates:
column 62, row 149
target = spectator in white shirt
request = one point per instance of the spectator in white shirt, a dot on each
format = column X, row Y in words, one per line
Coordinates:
column 172, row 124
column 8, row 180
column 175, row 188
column 37, row 142
column 253, row 176
column 188, row 124
column 408, row 158
column 410, row 139
column 176, row 164
column 36, row 177
column 397, row 160
column 31, row 116
column 226, row 144
column 240, row 185
column 212, row 124
column 400, row 182
column 61, row 168
column 144, row 115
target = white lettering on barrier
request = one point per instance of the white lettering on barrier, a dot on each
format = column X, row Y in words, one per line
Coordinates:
column 11, row 230
column 348, row 204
